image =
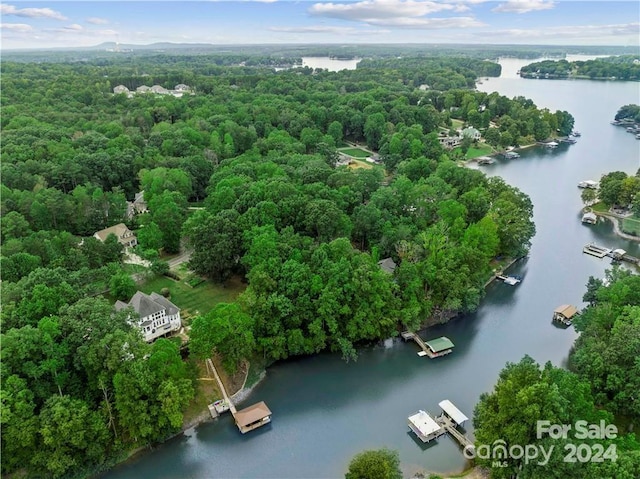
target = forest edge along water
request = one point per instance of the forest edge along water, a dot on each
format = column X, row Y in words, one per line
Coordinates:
column 326, row 411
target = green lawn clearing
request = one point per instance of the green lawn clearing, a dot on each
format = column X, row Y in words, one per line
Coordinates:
column 476, row 151
column 631, row 226
column 199, row 299
column 355, row 152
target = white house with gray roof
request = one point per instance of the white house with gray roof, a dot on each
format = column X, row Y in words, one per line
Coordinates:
column 158, row 315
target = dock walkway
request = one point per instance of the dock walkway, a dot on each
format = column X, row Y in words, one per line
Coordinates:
column 426, row 350
column 232, row 408
column 450, row 427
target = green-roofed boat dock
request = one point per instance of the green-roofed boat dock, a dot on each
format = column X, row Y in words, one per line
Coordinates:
column 434, row 348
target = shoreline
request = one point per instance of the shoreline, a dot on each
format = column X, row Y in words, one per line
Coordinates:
column 616, row 226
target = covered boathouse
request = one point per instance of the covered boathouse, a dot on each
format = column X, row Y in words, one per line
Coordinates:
column 252, row 417
column 565, row 314
column 424, row 426
column 452, row 412
column 439, row 347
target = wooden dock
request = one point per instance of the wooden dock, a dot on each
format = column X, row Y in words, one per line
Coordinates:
column 427, row 428
column 425, row 349
column 232, row 408
column 246, row 419
column 614, row 254
column 450, row 427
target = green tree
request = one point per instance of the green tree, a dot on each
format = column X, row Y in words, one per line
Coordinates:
column 374, row 129
column 19, row 423
column 72, row 435
column 375, row 464
column 122, row 286
column 150, row 236
column 227, row 330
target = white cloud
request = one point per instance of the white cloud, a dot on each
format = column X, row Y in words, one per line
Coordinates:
column 107, row 32
column 397, row 13
column 16, row 27
column 378, row 9
column 328, row 29
column 74, row 28
column 524, row 6
column 573, row 32
column 429, row 23
column 6, row 9
column 97, row 21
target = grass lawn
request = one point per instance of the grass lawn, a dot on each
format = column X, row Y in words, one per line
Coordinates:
column 600, row 206
column 196, row 300
column 455, row 124
column 355, row 152
column 480, row 150
column 206, row 392
column 631, row 226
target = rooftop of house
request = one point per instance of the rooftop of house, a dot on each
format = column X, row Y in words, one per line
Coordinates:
column 148, row 304
column 387, row 265
column 119, row 230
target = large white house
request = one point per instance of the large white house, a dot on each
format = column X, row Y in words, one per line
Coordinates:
column 158, row 315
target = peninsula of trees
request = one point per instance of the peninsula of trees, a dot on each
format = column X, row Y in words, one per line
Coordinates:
column 257, row 150
column 623, row 67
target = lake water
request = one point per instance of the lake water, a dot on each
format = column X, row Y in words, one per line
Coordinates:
column 325, row 411
column 331, row 64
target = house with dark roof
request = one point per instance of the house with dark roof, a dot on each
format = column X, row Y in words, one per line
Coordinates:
column 387, row 265
column 158, row 315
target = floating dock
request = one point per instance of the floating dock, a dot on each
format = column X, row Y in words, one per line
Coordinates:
column 595, row 250
column 485, row 160
column 433, row 348
column 614, row 254
column 510, row 280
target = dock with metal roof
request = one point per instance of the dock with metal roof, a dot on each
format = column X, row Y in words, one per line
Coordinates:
column 448, row 422
column 434, row 348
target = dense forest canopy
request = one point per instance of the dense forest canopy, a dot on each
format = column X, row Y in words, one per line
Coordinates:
column 601, row 385
column 257, row 150
column 623, row 67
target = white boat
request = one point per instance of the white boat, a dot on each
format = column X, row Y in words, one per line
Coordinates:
column 576, row 133
column 551, row 144
column 588, row 184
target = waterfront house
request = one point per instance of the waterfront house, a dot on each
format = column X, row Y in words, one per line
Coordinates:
column 158, row 315
column 125, row 236
column 472, row 133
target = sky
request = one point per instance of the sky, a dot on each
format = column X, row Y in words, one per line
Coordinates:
column 33, row 25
